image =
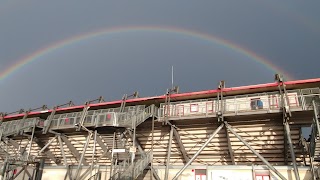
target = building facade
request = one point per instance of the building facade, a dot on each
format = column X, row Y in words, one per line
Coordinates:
column 257, row 132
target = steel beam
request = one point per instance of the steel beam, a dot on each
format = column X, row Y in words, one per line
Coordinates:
column 198, row 152
column 137, row 143
column 230, row 147
column 73, row 150
column 316, row 117
column 68, row 173
column 27, row 172
column 45, row 147
column 3, row 170
column 82, row 156
column 31, row 140
column 255, row 152
column 48, row 121
column 83, row 116
column 46, row 150
column 152, row 143
column 154, row 173
column 88, row 169
column 103, row 146
column 62, row 151
column 166, row 176
column 285, row 145
column 16, row 145
column 40, row 171
column 293, row 156
column 181, row 146
column 18, row 173
column 94, row 150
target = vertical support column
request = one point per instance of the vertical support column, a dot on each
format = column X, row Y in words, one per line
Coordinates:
column 169, row 154
column 62, row 151
column 3, row 170
column 133, row 153
column 293, row 156
column 316, row 117
column 285, row 144
column 83, row 116
column 286, row 116
column 220, row 104
column 48, row 121
column 82, row 155
column 230, row 147
column 40, row 170
column 152, row 143
column 112, row 153
column 94, row 152
column 198, row 152
column 31, row 140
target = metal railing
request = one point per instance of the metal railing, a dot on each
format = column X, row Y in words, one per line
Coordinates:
column 131, row 120
column 243, row 104
column 97, row 118
column 315, row 133
column 138, row 167
column 12, row 127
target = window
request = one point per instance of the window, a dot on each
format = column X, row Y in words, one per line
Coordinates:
column 180, row 110
column 256, row 103
column 194, row 108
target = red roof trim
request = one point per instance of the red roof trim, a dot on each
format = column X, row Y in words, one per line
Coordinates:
column 174, row 96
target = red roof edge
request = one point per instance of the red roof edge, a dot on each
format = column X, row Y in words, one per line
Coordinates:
column 175, row 96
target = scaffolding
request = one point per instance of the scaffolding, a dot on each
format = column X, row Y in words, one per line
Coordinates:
column 162, row 137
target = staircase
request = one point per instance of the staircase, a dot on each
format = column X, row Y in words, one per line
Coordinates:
column 133, row 120
column 315, row 135
column 135, row 169
column 126, row 169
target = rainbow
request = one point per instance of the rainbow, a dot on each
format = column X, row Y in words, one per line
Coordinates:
column 161, row 29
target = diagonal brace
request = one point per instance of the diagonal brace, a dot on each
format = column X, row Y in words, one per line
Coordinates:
column 73, row 150
column 199, row 151
column 181, row 146
column 254, row 151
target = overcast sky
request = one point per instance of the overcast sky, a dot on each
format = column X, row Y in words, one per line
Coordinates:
column 288, row 35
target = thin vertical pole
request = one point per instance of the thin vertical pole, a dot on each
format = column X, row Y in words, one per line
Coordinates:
column 112, row 152
column 293, row 156
column 3, row 170
column 169, row 154
column 152, row 143
column 62, row 151
column 82, row 156
column 94, row 152
column 34, row 126
column 172, row 77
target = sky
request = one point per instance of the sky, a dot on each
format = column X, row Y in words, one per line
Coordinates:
column 139, row 42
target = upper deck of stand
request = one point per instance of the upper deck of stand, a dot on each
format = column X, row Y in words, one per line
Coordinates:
column 228, row 93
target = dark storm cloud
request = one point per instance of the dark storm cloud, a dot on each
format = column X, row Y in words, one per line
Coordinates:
column 141, row 61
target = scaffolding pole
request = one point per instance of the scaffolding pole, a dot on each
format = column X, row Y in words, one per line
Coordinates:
column 255, row 152
column 198, row 152
column 82, row 155
column 3, row 170
column 152, row 143
column 169, row 154
column 293, row 156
